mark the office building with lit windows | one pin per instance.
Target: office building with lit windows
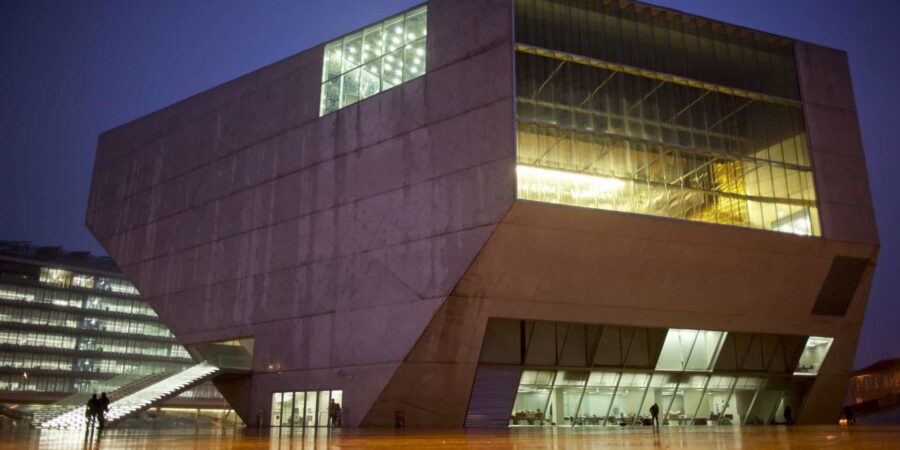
(874, 394)
(69, 322)
(511, 213)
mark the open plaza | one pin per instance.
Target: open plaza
(800, 437)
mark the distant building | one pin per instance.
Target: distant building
(510, 213)
(69, 321)
(876, 388)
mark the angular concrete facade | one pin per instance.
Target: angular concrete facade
(365, 250)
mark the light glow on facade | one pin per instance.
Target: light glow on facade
(558, 185)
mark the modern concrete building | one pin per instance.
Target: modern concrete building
(70, 326)
(511, 213)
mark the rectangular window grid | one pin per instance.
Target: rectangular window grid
(622, 109)
(624, 398)
(362, 64)
(610, 375)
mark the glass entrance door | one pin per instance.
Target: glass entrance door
(303, 409)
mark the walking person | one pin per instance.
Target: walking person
(654, 415)
(103, 408)
(788, 415)
(90, 411)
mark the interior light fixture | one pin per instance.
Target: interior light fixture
(578, 185)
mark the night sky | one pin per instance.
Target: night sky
(72, 69)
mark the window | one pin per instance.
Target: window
(29, 361)
(83, 281)
(598, 398)
(375, 59)
(37, 340)
(695, 377)
(813, 355)
(622, 398)
(622, 111)
(125, 327)
(629, 396)
(116, 285)
(307, 409)
(690, 350)
(717, 406)
(65, 278)
(56, 277)
(533, 397)
(235, 353)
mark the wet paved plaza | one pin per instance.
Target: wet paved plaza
(813, 437)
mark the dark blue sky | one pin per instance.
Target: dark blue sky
(72, 69)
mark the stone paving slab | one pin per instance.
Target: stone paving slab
(778, 437)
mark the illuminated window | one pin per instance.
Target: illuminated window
(56, 277)
(620, 111)
(83, 281)
(690, 350)
(307, 409)
(597, 403)
(813, 355)
(620, 398)
(695, 377)
(116, 285)
(375, 59)
(533, 398)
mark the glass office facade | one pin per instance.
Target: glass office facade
(304, 409)
(626, 108)
(62, 329)
(65, 278)
(623, 398)
(362, 64)
(610, 375)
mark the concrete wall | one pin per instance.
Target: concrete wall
(842, 187)
(332, 241)
(835, 144)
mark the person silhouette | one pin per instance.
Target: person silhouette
(788, 415)
(654, 415)
(103, 408)
(332, 413)
(91, 410)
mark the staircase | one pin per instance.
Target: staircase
(131, 398)
(112, 386)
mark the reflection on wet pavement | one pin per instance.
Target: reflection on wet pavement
(801, 437)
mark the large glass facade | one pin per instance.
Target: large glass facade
(623, 109)
(69, 324)
(65, 278)
(624, 398)
(304, 409)
(610, 375)
(362, 64)
(37, 295)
